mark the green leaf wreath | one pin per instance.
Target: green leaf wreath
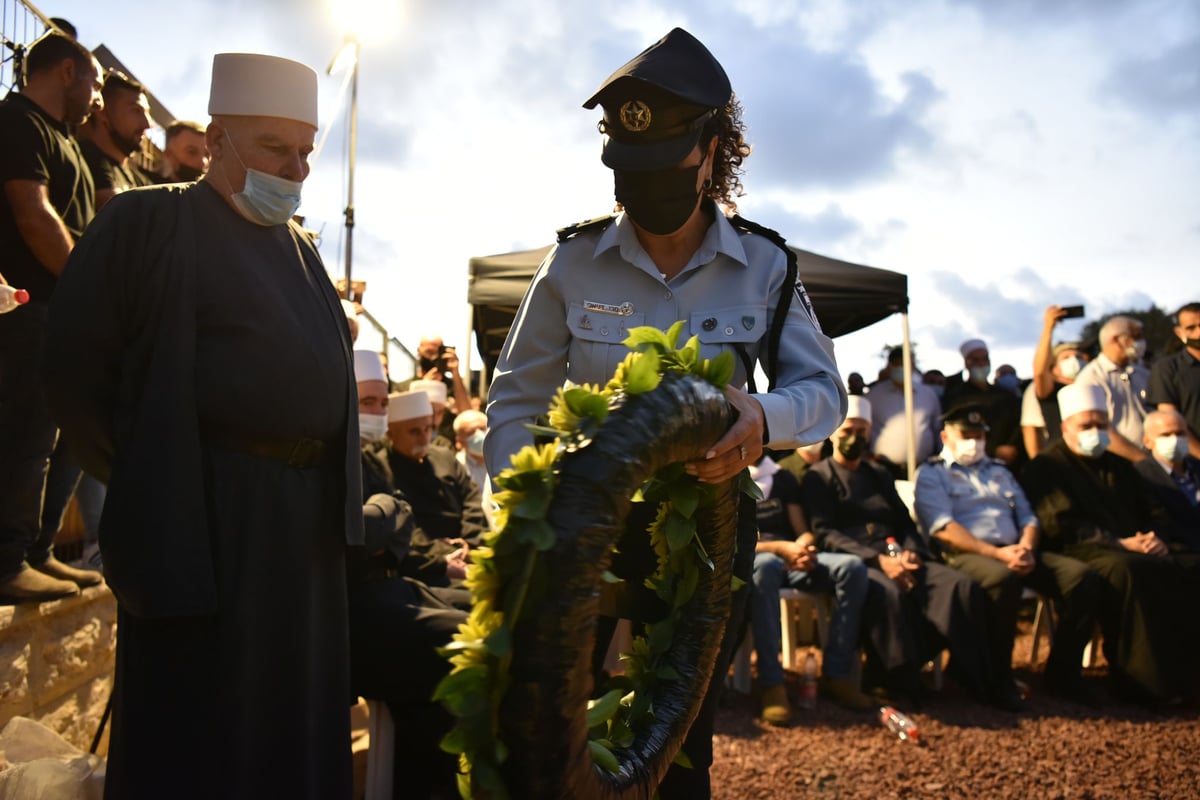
(511, 561)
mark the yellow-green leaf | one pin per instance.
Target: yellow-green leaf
(604, 757)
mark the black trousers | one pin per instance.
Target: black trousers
(1075, 588)
(1148, 616)
(945, 609)
(27, 436)
(396, 626)
(635, 560)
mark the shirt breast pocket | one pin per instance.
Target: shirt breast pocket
(730, 328)
(597, 342)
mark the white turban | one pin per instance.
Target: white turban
(971, 345)
(368, 366)
(1079, 397)
(435, 389)
(254, 85)
(858, 407)
(408, 405)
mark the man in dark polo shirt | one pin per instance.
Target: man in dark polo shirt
(45, 204)
(1175, 380)
(113, 134)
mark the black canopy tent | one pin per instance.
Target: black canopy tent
(847, 296)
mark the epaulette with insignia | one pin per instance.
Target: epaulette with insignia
(597, 224)
(749, 226)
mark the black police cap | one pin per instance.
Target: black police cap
(969, 416)
(656, 105)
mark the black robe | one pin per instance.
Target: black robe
(397, 625)
(174, 316)
(446, 501)
(1148, 613)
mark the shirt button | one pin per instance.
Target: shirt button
(729, 331)
(709, 323)
(667, 294)
(604, 331)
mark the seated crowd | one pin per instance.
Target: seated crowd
(1084, 488)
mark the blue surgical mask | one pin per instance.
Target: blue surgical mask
(979, 374)
(1009, 381)
(896, 374)
(475, 443)
(265, 199)
(1093, 442)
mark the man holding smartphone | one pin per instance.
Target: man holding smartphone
(1053, 368)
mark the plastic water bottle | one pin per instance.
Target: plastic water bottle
(10, 298)
(893, 547)
(899, 724)
(808, 685)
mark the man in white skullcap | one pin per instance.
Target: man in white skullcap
(439, 396)
(183, 314)
(1001, 407)
(853, 507)
(447, 502)
(1093, 508)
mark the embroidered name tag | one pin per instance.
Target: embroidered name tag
(623, 310)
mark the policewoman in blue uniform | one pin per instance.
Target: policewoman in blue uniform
(674, 250)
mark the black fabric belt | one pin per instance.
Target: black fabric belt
(296, 453)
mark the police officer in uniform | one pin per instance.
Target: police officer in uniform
(674, 251)
(975, 509)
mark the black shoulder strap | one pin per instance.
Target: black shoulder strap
(785, 297)
(597, 224)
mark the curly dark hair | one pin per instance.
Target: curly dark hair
(732, 150)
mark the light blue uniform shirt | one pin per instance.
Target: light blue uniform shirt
(984, 498)
(593, 288)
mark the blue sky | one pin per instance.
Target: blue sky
(1005, 154)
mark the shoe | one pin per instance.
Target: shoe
(1074, 690)
(57, 569)
(1008, 698)
(843, 692)
(775, 708)
(30, 586)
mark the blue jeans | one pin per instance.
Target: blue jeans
(65, 479)
(843, 575)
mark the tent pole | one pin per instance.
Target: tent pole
(908, 400)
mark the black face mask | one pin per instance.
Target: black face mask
(659, 201)
(186, 174)
(1193, 344)
(852, 447)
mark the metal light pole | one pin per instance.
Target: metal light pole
(353, 41)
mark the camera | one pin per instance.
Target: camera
(1071, 312)
(441, 359)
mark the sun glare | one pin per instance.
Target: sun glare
(367, 20)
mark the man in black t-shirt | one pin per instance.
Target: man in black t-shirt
(1175, 379)
(114, 133)
(47, 201)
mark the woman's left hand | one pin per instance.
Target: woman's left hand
(741, 445)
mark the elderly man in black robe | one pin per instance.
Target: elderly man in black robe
(1094, 508)
(182, 315)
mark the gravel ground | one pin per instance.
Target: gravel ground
(1051, 750)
